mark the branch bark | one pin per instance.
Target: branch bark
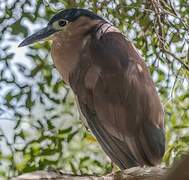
(136, 173)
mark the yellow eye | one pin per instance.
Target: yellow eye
(60, 24)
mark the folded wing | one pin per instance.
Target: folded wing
(119, 101)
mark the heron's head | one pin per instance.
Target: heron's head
(60, 22)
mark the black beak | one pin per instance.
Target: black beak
(38, 36)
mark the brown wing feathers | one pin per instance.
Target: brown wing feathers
(119, 100)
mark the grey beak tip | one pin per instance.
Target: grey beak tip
(38, 36)
(22, 44)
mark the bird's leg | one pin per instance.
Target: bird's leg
(113, 170)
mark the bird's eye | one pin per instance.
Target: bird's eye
(62, 23)
(59, 25)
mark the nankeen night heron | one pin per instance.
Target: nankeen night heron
(112, 85)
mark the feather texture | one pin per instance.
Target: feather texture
(119, 101)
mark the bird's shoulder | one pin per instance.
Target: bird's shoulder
(111, 68)
(111, 59)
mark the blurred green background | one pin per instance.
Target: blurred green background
(39, 122)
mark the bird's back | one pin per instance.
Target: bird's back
(118, 98)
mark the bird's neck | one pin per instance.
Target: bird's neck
(68, 44)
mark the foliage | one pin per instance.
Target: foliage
(47, 133)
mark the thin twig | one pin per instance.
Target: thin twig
(179, 60)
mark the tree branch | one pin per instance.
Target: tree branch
(136, 173)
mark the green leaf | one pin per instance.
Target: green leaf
(70, 136)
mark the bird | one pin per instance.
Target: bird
(115, 92)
